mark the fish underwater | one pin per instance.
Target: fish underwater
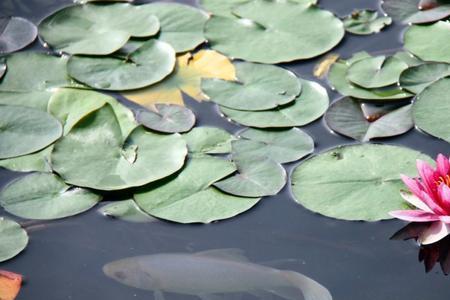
(211, 275)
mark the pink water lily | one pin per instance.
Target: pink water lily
(430, 194)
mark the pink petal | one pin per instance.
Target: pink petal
(443, 165)
(412, 184)
(436, 232)
(426, 172)
(416, 201)
(414, 215)
(445, 219)
(444, 194)
(431, 203)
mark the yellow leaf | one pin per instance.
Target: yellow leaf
(186, 78)
(322, 68)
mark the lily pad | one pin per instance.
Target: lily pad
(376, 72)
(255, 178)
(338, 80)
(25, 130)
(357, 182)
(44, 196)
(150, 63)
(257, 87)
(346, 116)
(208, 140)
(282, 146)
(14, 239)
(126, 210)
(365, 22)
(189, 197)
(431, 109)
(96, 29)
(416, 79)
(428, 41)
(167, 118)
(37, 162)
(309, 106)
(181, 25)
(16, 33)
(417, 11)
(31, 79)
(257, 33)
(94, 154)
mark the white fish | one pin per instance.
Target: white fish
(210, 274)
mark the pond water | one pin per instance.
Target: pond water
(354, 260)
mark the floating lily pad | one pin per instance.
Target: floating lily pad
(181, 25)
(309, 106)
(96, 29)
(25, 130)
(32, 77)
(428, 42)
(282, 146)
(416, 79)
(255, 178)
(150, 63)
(358, 182)
(37, 162)
(417, 11)
(189, 197)
(408, 58)
(257, 87)
(45, 196)
(365, 22)
(95, 154)
(431, 110)
(15, 33)
(347, 117)
(376, 72)
(167, 118)
(274, 32)
(338, 80)
(126, 210)
(208, 140)
(14, 239)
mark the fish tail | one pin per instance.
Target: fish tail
(301, 288)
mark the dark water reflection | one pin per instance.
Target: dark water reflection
(354, 260)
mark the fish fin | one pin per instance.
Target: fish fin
(302, 287)
(158, 295)
(228, 254)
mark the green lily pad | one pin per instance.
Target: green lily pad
(167, 118)
(428, 42)
(181, 25)
(282, 146)
(258, 33)
(417, 11)
(35, 162)
(150, 63)
(189, 197)
(94, 154)
(44, 196)
(208, 140)
(416, 79)
(14, 239)
(357, 182)
(31, 79)
(346, 116)
(16, 33)
(338, 80)
(309, 106)
(71, 105)
(96, 29)
(431, 109)
(365, 22)
(126, 210)
(408, 58)
(255, 178)
(26, 130)
(257, 87)
(376, 72)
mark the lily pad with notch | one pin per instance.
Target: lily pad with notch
(168, 118)
(16, 33)
(365, 22)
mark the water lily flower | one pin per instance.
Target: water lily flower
(430, 194)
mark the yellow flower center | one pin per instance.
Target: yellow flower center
(445, 180)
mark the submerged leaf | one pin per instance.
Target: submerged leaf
(126, 210)
(357, 182)
(186, 78)
(10, 284)
(14, 239)
(208, 140)
(167, 118)
(16, 33)
(365, 22)
(44, 196)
